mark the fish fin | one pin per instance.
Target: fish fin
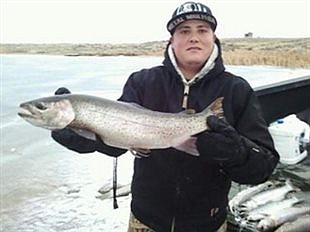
(85, 133)
(216, 107)
(188, 146)
(188, 111)
(136, 105)
(291, 186)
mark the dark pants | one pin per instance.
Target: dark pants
(136, 226)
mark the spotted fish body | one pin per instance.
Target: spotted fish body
(119, 124)
(287, 215)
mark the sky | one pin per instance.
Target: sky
(135, 21)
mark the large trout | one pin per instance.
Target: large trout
(120, 124)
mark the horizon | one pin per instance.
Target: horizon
(156, 41)
(120, 21)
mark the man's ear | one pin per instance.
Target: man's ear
(171, 41)
(214, 37)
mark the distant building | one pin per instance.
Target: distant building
(248, 35)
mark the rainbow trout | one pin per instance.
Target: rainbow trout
(286, 215)
(120, 124)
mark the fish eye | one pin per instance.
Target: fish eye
(40, 106)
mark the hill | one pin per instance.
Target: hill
(246, 51)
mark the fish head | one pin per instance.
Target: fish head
(51, 113)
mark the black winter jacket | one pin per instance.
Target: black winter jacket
(172, 185)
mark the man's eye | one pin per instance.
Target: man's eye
(203, 31)
(184, 32)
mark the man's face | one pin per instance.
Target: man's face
(192, 43)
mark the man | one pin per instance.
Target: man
(171, 190)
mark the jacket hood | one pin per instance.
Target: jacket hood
(212, 68)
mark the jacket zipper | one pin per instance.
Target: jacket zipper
(185, 96)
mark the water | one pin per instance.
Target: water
(45, 187)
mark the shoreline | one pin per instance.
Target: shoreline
(285, 52)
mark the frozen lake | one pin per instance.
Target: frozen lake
(45, 187)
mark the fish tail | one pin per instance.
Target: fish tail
(291, 186)
(216, 108)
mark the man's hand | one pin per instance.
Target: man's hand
(221, 144)
(140, 152)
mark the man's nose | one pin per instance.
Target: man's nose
(193, 37)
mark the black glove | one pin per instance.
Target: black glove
(62, 90)
(221, 144)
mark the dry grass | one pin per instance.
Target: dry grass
(286, 59)
(252, 51)
(276, 52)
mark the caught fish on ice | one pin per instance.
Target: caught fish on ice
(301, 224)
(290, 214)
(268, 196)
(246, 194)
(120, 124)
(270, 205)
(271, 208)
